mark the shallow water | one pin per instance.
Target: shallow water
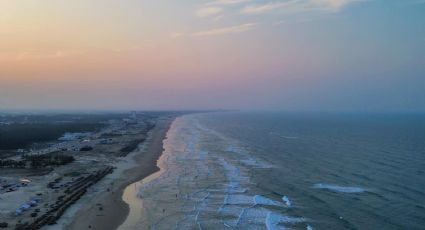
(282, 171)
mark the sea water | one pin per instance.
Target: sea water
(289, 171)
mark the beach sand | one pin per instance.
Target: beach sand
(102, 207)
(132, 199)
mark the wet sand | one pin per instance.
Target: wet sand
(131, 195)
(103, 207)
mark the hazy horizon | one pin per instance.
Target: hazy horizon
(299, 55)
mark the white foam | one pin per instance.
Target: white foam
(227, 225)
(235, 203)
(236, 190)
(309, 227)
(229, 200)
(235, 149)
(234, 177)
(275, 221)
(254, 216)
(239, 200)
(255, 163)
(337, 188)
(231, 214)
(287, 201)
(261, 200)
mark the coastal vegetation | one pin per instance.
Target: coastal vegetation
(38, 161)
(21, 131)
(131, 147)
(16, 136)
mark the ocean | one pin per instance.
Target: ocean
(240, 170)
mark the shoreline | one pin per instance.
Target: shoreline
(103, 207)
(130, 193)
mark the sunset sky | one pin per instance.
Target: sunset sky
(348, 55)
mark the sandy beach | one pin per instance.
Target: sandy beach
(131, 195)
(102, 207)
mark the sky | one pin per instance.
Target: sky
(294, 55)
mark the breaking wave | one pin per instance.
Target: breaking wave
(340, 189)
